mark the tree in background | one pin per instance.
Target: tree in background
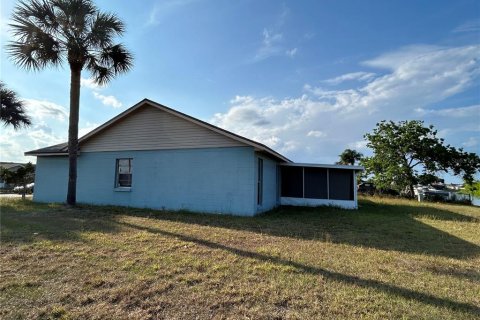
(47, 32)
(21, 177)
(472, 188)
(349, 157)
(406, 150)
(12, 109)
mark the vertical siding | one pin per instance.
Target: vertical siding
(215, 180)
(269, 184)
(149, 128)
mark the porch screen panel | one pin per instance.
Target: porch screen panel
(316, 183)
(341, 184)
(292, 182)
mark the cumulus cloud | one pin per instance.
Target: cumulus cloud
(417, 78)
(13, 143)
(43, 109)
(357, 76)
(90, 83)
(107, 100)
(89, 126)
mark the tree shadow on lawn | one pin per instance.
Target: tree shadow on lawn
(380, 226)
(332, 275)
(25, 221)
(374, 225)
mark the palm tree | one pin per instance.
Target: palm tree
(349, 157)
(12, 110)
(47, 32)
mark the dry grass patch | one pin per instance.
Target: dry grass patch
(390, 259)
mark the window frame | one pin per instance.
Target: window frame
(117, 185)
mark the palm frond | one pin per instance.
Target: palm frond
(117, 57)
(41, 11)
(103, 28)
(74, 15)
(110, 62)
(12, 111)
(100, 73)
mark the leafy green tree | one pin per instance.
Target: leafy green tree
(49, 32)
(21, 177)
(405, 150)
(349, 157)
(472, 188)
(12, 109)
(426, 179)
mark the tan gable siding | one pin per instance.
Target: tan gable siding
(149, 128)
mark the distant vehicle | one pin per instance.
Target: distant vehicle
(366, 187)
(29, 189)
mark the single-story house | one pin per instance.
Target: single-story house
(155, 157)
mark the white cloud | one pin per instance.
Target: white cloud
(468, 26)
(462, 112)
(42, 109)
(270, 45)
(163, 8)
(90, 83)
(13, 143)
(273, 40)
(87, 128)
(418, 78)
(360, 145)
(316, 134)
(357, 76)
(107, 100)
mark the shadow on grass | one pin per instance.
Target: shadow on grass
(26, 221)
(336, 276)
(374, 225)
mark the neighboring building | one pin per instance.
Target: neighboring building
(156, 157)
(443, 193)
(12, 166)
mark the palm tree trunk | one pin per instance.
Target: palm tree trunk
(75, 74)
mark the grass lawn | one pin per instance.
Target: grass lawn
(390, 259)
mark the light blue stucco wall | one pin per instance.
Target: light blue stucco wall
(216, 180)
(270, 176)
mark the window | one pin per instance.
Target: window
(124, 173)
(260, 182)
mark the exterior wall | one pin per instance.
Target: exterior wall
(51, 178)
(215, 180)
(270, 184)
(150, 128)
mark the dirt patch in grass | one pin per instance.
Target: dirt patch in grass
(390, 259)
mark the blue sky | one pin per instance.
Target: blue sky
(307, 78)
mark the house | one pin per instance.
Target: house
(155, 157)
(11, 166)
